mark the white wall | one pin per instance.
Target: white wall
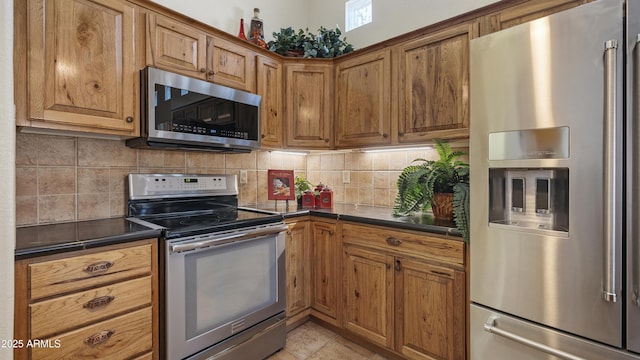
(7, 176)
(390, 17)
(226, 15)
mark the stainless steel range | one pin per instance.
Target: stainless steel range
(222, 278)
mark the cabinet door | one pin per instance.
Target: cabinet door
(368, 287)
(363, 108)
(298, 271)
(430, 310)
(269, 83)
(433, 90)
(524, 12)
(309, 105)
(81, 65)
(174, 46)
(231, 65)
(326, 272)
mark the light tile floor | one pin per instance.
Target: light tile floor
(311, 341)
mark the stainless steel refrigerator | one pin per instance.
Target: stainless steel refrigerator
(555, 209)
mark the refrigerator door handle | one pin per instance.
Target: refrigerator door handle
(635, 246)
(610, 171)
(491, 326)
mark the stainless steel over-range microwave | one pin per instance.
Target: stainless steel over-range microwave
(181, 112)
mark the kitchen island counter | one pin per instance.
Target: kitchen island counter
(374, 215)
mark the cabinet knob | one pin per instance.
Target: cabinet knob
(330, 232)
(385, 135)
(263, 136)
(393, 241)
(210, 73)
(398, 266)
(326, 140)
(203, 70)
(400, 133)
(129, 119)
(388, 266)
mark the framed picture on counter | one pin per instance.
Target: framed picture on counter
(281, 185)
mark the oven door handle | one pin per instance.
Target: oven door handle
(217, 241)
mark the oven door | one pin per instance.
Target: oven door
(221, 284)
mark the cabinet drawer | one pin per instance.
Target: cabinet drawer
(448, 251)
(62, 313)
(64, 275)
(119, 338)
(147, 356)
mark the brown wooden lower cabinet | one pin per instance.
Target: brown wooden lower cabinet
(404, 291)
(430, 310)
(326, 284)
(298, 255)
(90, 304)
(369, 295)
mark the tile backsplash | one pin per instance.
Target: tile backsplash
(61, 179)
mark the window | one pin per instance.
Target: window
(357, 13)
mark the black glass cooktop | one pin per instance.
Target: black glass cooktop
(201, 223)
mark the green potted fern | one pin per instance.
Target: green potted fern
(440, 185)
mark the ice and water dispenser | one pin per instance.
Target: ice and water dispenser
(523, 195)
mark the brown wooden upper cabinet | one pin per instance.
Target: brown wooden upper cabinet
(433, 90)
(363, 106)
(175, 46)
(269, 83)
(80, 66)
(309, 105)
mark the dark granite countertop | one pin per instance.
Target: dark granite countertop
(374, 215)
(39, 240)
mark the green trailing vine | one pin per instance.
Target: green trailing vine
(461, 209)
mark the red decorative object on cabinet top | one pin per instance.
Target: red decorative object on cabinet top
(241, 34)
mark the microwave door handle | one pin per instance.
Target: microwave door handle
(610, 172)
(217, 241)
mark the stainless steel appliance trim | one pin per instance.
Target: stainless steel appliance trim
(144, 187)
(145, 223)
(223, 240)
(530, 230)
(634, 249)
(610, 170)
(264, 338)
(543, 143)
(491, 326)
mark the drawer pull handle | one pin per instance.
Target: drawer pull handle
(99, 338)
(393, 241)
(98, 302)
(98, 267)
